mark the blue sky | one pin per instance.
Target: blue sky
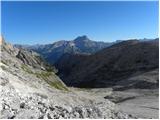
(46, 22)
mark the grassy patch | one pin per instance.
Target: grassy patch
(26, 69)
(54, 83)
(47, 76)
(44, 75)
(58, 85)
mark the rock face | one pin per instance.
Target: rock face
(28, 91)
(80, 45)
(113, 65)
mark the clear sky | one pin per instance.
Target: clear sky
(46, 22)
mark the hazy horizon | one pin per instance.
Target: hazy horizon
(47, 22)
(53, 41)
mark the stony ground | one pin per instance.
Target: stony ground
(145, 104)
(20, 99)
(140, 103)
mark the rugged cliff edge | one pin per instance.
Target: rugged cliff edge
(29, 88)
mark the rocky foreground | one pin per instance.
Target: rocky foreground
(30, 89)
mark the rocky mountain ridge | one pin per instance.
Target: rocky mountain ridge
(52, 53)
(80, 45)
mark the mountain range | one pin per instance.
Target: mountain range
(80, 45)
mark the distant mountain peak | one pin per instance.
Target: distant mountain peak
(81, 38)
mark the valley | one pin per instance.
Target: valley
(119, 81)
(79, 59)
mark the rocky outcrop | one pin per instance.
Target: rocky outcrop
(28, 59)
